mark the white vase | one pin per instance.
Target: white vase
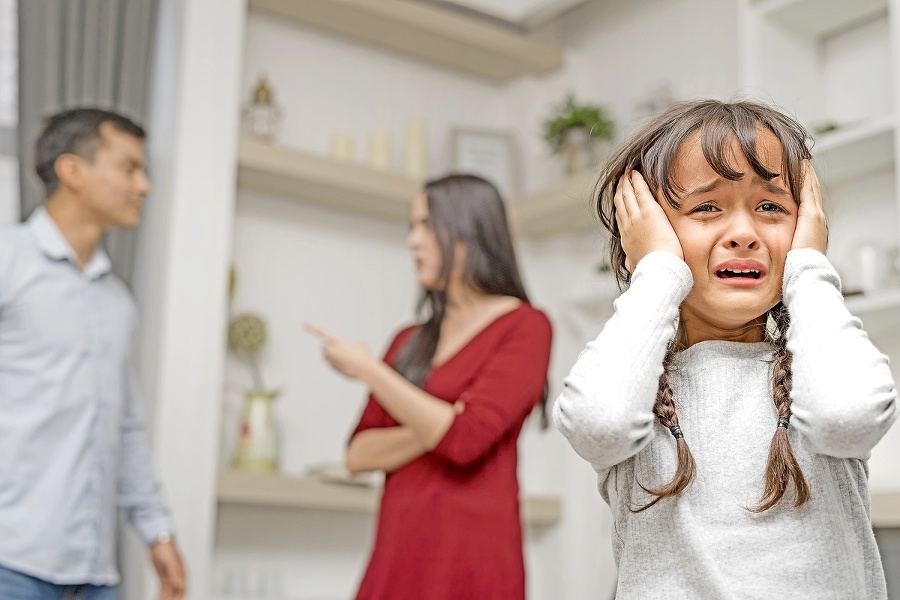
(257, 442)
(579, 151)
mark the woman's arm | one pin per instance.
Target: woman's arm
(500, 397)
(605, 409)
(383, 449)
(427, 416)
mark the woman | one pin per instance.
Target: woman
(447, 405)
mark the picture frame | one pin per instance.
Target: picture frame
(487, 153)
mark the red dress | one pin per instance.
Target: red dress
(449, 525)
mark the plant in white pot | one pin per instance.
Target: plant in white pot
(576, 132)
(257, 442)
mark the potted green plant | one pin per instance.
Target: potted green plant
(575, 131)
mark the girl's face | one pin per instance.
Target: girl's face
(735, 236)
(426, 249)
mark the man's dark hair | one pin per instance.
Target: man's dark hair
(75, 131)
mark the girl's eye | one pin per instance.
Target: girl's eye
(772, 207)
(704, 208)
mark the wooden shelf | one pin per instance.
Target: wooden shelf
(313, 493)
(886, 509)
(855, 150)
(320, 180)
(565, 207)
(426, 32)
(308, 177)
(817, 18)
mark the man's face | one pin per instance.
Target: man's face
(115, 182)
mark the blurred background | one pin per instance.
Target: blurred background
(286, 140)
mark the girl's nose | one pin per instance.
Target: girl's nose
(742, 233)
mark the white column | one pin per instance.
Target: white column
(184, 252)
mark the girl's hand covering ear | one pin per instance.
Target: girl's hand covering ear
(643, 225)
(812, 229)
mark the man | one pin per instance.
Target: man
(73, 443)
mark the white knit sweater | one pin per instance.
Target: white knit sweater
(705, 544)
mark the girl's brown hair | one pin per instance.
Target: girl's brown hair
(652, 152)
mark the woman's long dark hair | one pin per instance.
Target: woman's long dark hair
(468, 209)
(652, 152)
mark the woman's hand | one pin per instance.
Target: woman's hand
(643, 225)
(812, 228)
(350, 358)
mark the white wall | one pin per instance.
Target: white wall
(296, 262)
(182, 265)
(327, 85)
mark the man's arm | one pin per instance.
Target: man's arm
(139, 494)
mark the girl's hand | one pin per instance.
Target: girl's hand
(350, 358)
(643, 225)
(812, 229)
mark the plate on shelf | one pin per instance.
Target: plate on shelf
(338, 473)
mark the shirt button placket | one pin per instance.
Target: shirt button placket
(95, 504)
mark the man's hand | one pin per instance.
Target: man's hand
(170, 569)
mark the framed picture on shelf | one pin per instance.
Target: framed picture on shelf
(489, 154)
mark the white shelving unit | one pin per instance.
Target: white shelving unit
(856, 150)
(825, 61)
(795, 52)
(431, 33)
(313, 493)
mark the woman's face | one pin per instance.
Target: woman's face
(423, 243)
(735, 236)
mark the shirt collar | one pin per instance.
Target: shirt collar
(53, 244)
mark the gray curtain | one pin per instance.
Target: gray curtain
(82, 53)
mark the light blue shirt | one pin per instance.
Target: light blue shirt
(73, 441)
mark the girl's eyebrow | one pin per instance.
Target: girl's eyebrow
(705, 188)
(772, 188)
(766, 184)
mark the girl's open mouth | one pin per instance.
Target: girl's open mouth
(738, 274)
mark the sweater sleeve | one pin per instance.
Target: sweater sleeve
(843, 398)
(502, 395)
(605, 409)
